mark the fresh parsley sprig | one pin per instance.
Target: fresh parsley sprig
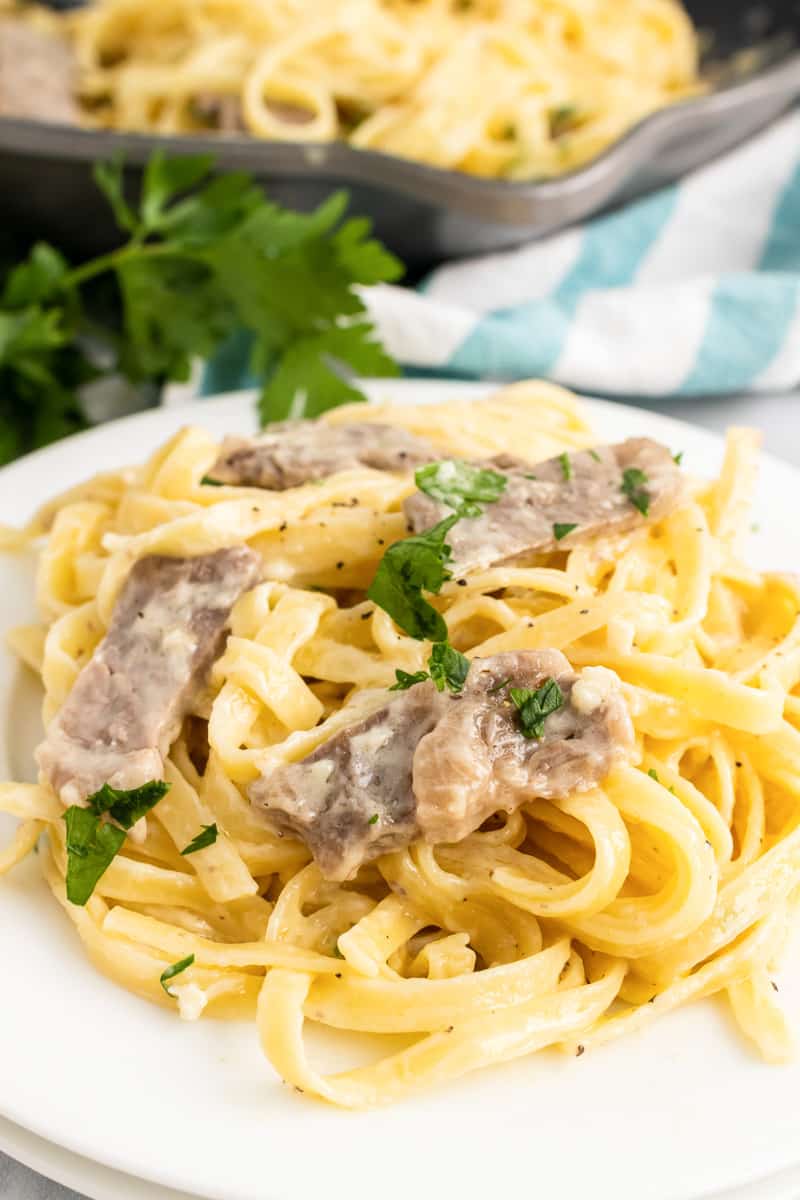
(419, 563)
(93, 843)
(204, 256)
(408, 568)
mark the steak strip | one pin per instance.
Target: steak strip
(297, 452)
(128, 703)
(435, 765)
(540, 502)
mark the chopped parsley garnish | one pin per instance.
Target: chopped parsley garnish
(93, 844)
(207, 836)
(176, 969)
(595, 456)
(678, 458)
(535, 706)
(207, 481)
(461, 485)
(633, 481)
(532, 476)
(498, 687)
(449, 668)
(405, 680)
(561, 531)
(653, 773)
(408, 567)
(374, 819)
(566, 466)
(336, 951)
(420, 563)
(127, 807)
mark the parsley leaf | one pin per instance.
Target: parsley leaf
(207, 836)
(310, 379)
(535, 706)
(633, 481)
(405, 680)
(176, 969)
(566, 466)
(207, 481)
(653, 773)
(449, 668)
(408, 567)
(678, 458)
(92, 845)
(460, 485)
(595, 456)
(127, 807)
(374, 819)
(561, 531)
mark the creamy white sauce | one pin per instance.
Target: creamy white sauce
(592, 690)
(372, 740)
(191, 1000)
(316, 780)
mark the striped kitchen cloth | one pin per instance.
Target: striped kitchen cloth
(693, 290)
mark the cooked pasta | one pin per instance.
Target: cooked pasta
(564, 923)
(515, 88)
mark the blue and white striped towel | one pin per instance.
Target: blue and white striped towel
(693, 290)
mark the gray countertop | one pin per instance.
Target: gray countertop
(778, 416)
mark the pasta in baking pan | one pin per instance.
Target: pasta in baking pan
(632, 844)
(514, 88)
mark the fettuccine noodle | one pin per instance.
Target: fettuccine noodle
(515, 88)
(565, 923)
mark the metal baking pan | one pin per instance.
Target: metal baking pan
(423, 213)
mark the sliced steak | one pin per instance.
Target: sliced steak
(584, 490)
(37, 75)
(435, 765)
(296, 452)
(127, 705)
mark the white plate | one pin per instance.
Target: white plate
(72, 1170)
(679, 1112)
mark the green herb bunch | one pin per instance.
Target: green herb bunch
(204, 256)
